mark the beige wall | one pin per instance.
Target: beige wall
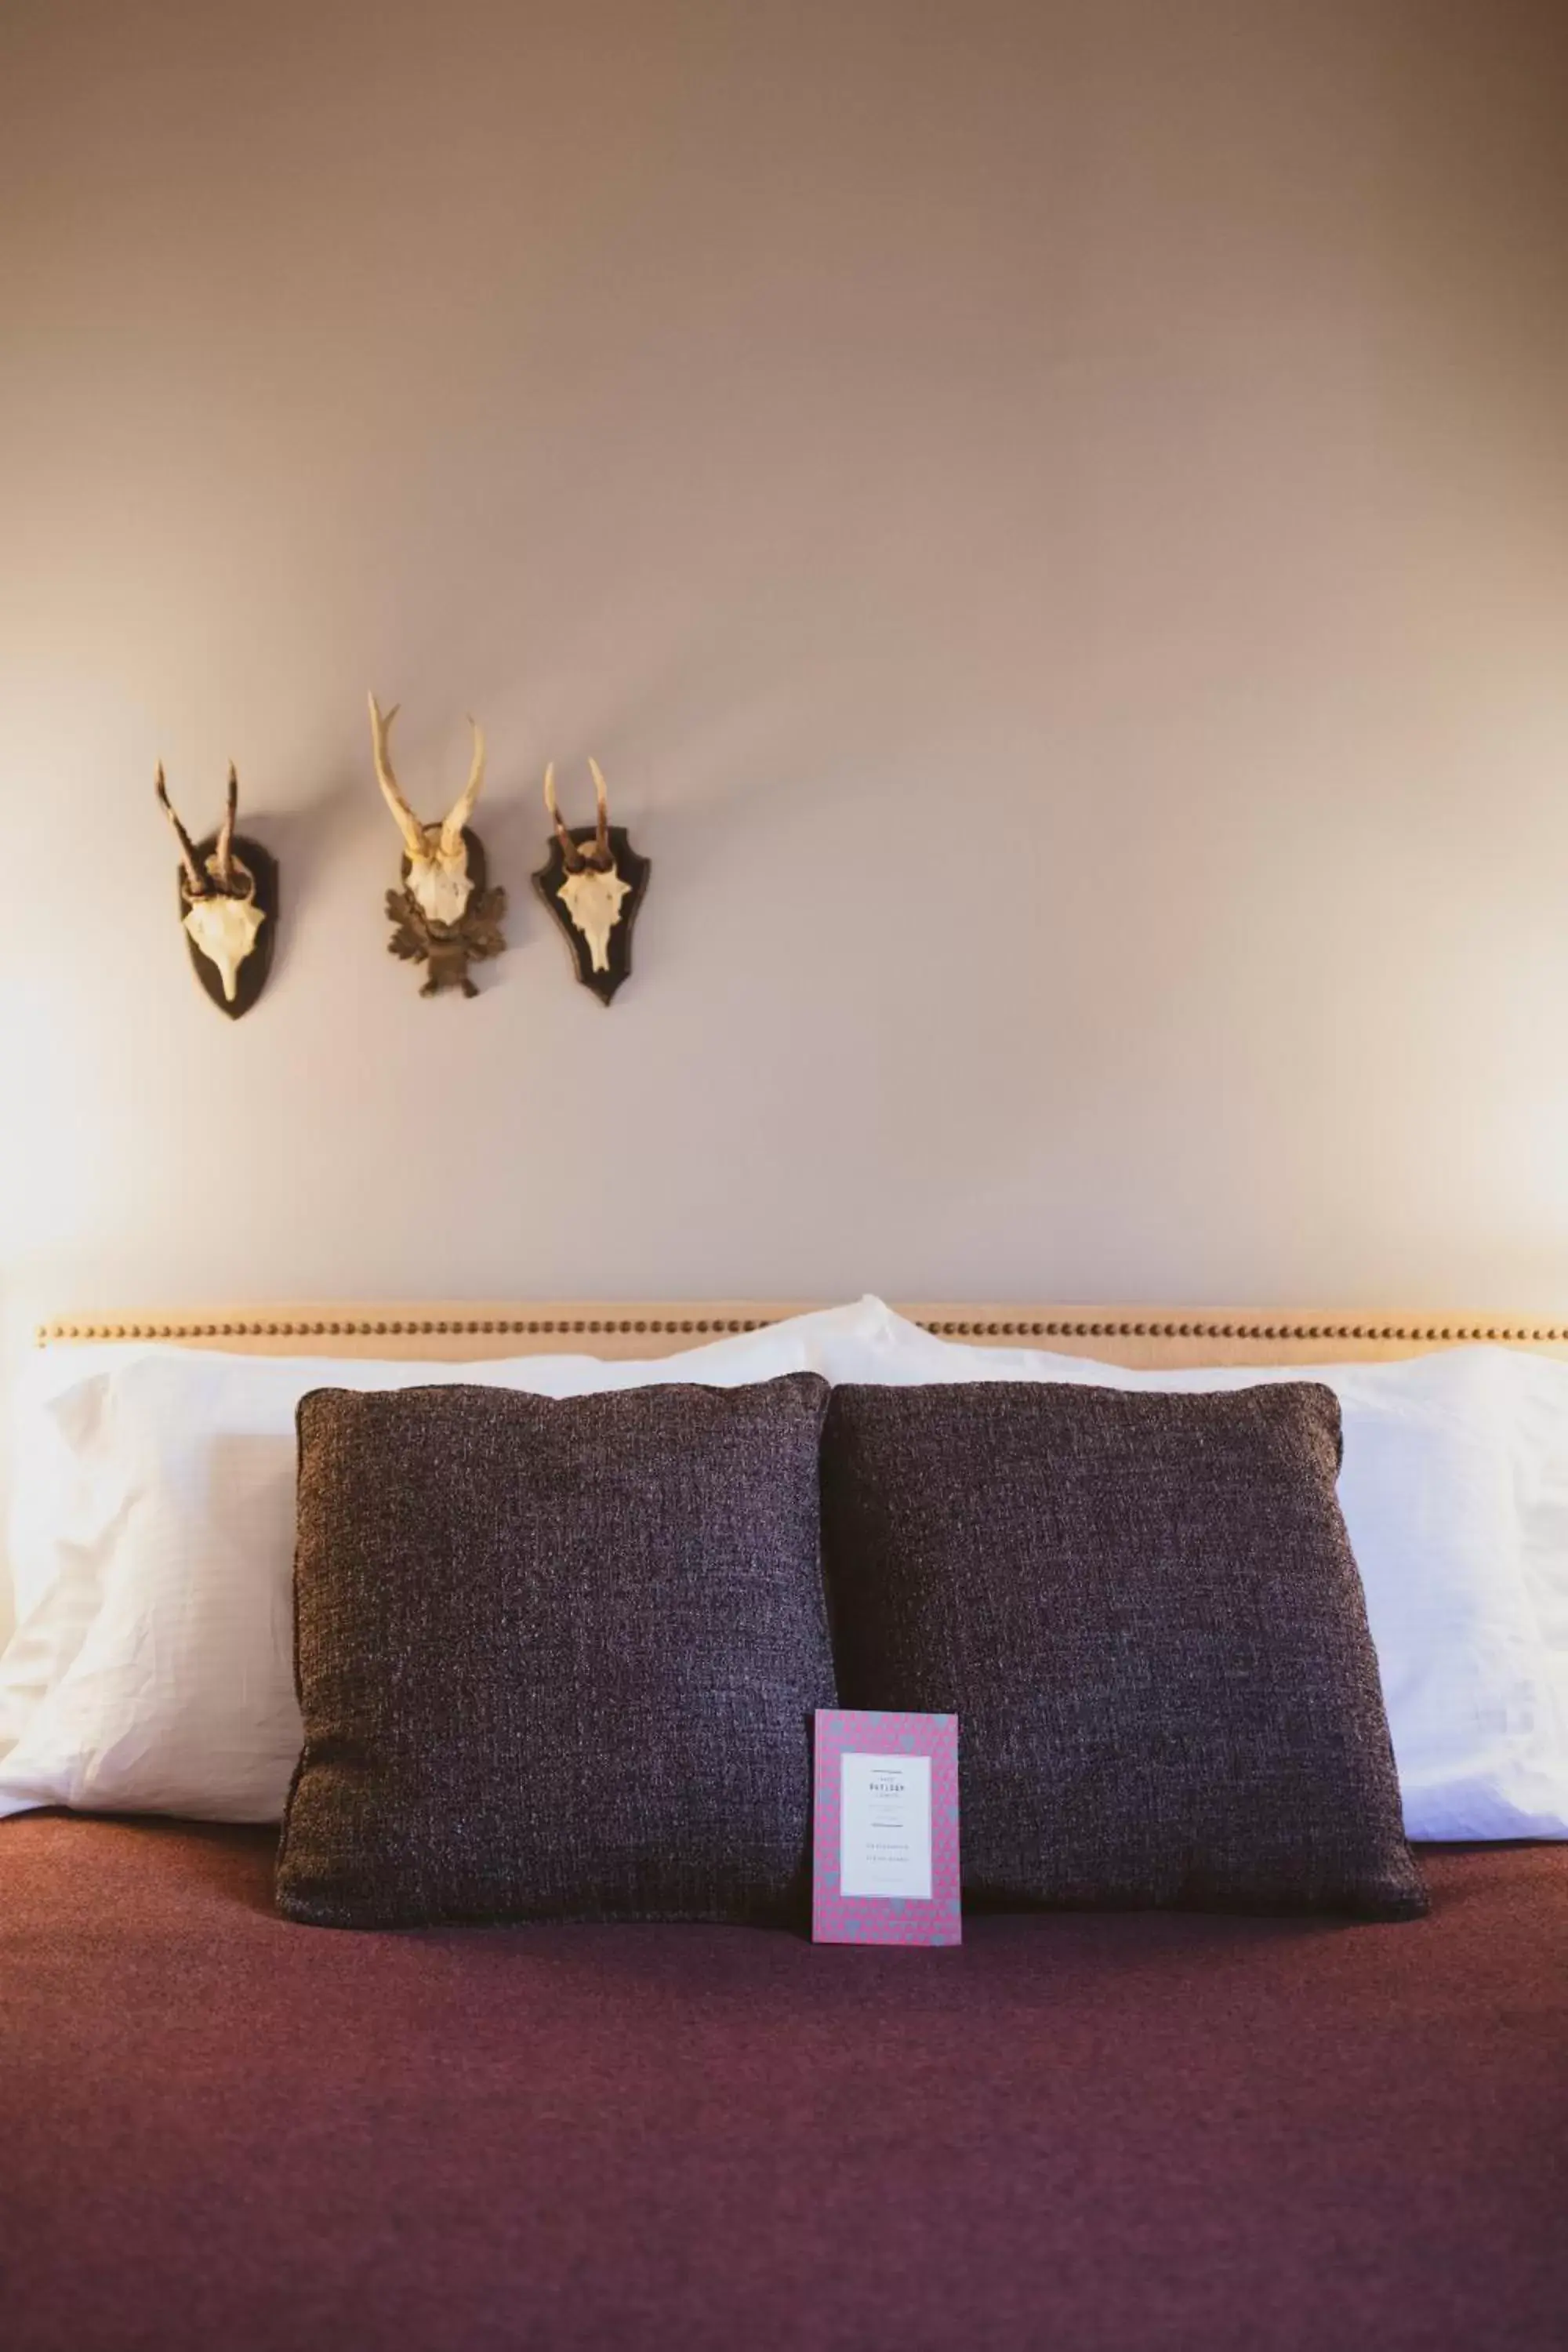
(1053, 517)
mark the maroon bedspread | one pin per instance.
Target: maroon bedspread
(223, 2132)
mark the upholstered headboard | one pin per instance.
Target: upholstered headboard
(1122, 1335)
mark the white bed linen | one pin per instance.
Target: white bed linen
(153, 1532)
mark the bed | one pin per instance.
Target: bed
(219, 2129)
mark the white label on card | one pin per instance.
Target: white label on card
(885, 1826)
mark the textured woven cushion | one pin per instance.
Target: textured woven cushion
(1144, 1611)
(556, 1658)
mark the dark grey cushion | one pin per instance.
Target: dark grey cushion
(1144, 1611)
(557, 1659)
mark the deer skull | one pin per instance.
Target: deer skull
(438, 878)
(221, 913)
(592, 891)
(225, 929)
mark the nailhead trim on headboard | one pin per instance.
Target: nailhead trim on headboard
(709, 1326)
(402, 1328)
(531, 1329)
(1243, 1331)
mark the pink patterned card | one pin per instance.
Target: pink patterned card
(886, 1861)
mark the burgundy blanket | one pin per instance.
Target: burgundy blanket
(218, 2131)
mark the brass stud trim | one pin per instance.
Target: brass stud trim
(1450, 1333)
(49, 1334)
(530, 1328)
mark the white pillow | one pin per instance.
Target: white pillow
(1455, 1492)
(153, 1547)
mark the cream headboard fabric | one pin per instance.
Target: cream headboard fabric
(1122, 1335)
